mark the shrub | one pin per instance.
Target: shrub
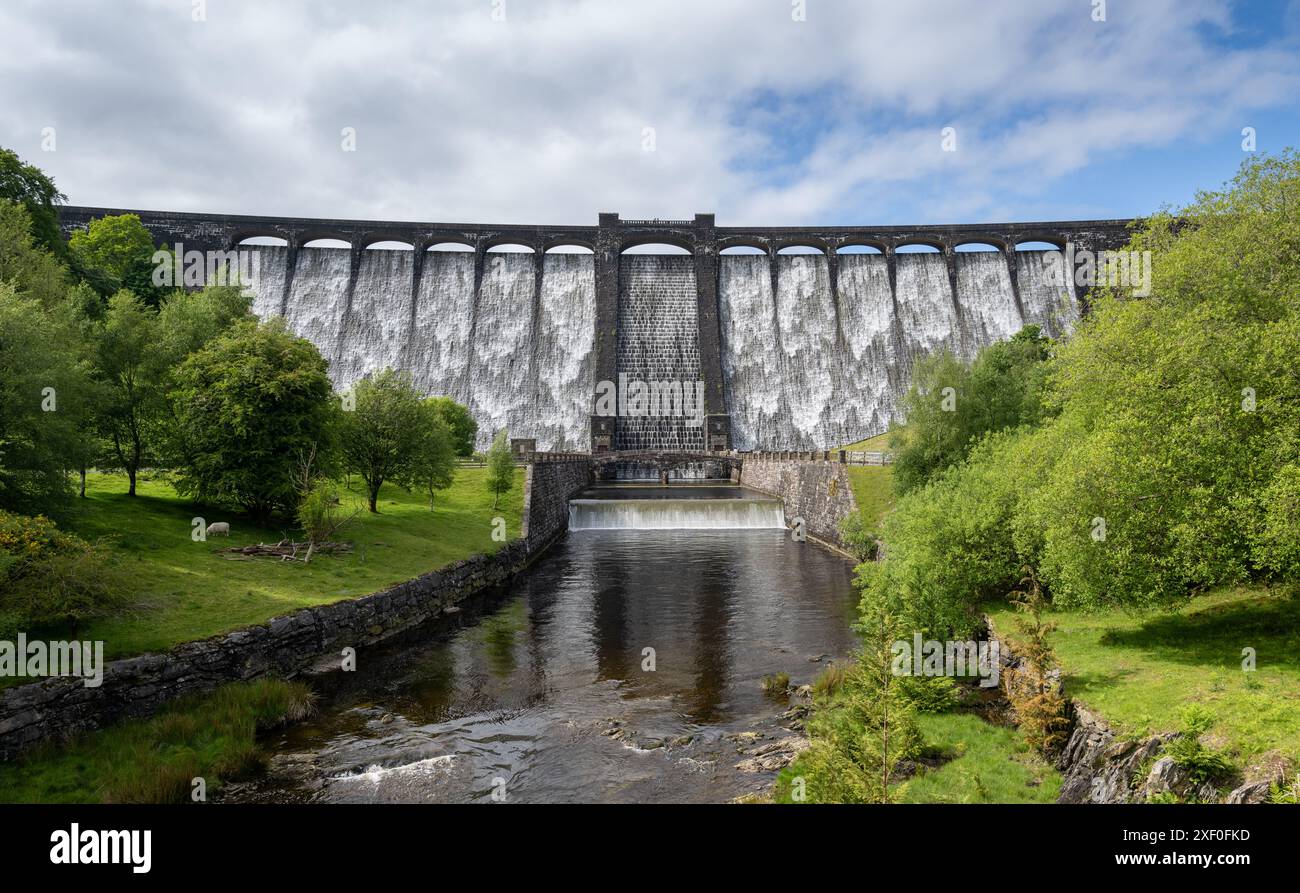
(49, 576)
(1200, 762)
(930, 694)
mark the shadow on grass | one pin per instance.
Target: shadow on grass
(1216, 634)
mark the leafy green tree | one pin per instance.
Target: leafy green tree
(127, 365)
(435, 467)
(43, 402)
(500, 467)
(949, 405)
(462, 425)
(32, 269)
(383, 436)
(115, 244)
(255, 399)
(28, 186)
(865, 728)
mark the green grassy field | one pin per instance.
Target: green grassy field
(1139, 670)
(987, 764)
(185, 590)
(154, 760)
(873, 488)
(878, 443)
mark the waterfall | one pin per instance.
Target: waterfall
(1052, 307)
(519, 360)
(565, 361)
(377, 326)
(270, 263)
(502, 380)
(675, 514)
(658, 341)
(318, 299)
(438, 350)
(804, 367)
(987, 301)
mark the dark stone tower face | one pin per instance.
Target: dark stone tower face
(798, 353)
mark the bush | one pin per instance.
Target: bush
(1201, 763)
(930, 694)
(48, 576)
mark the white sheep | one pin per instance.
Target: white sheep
(219, 528)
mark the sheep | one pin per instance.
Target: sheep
(219, 528)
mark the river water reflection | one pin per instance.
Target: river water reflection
(543, 697)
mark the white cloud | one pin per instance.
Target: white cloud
(540, 118)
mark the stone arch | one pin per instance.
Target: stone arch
(979, 244)
(919, 245)
(450, 245)
(871, 246)
(801, 246)
(261, 240)
(574, 246)
(1040, 242)
(651, 240)
(755, 242)
(510, 248)
(332, 242)
(386, 237)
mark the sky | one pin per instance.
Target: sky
(764, 112)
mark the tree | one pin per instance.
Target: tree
(43, 388)
(500, 467)
(383, 435)
(950, 405)
(254, 400)
(435, 467)
(33, 270)
(128, 366)
(462, 425)
(114, 244)
(28, 186)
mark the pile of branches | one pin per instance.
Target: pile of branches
(287, 550)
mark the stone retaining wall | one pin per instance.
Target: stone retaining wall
(548, 487)
(817, 490)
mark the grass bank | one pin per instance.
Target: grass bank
(185, 590)
(1138, 671)
(155, 760)
(976, 762)
(879, 443)
(873, 488)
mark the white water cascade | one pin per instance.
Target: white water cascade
(675, 514)
(519, 360)
(809, 367)
(804, 366)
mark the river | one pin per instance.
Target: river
(624, 666)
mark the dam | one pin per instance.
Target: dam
(793, 351)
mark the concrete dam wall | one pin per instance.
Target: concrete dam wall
(792, 351)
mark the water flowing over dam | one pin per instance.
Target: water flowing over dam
(675, 508)
(790, 351)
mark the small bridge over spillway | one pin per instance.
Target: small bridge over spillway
(665, 465)
(662, 463)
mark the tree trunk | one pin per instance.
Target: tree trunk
(374, 495)
(130, 474)
(82, 494)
